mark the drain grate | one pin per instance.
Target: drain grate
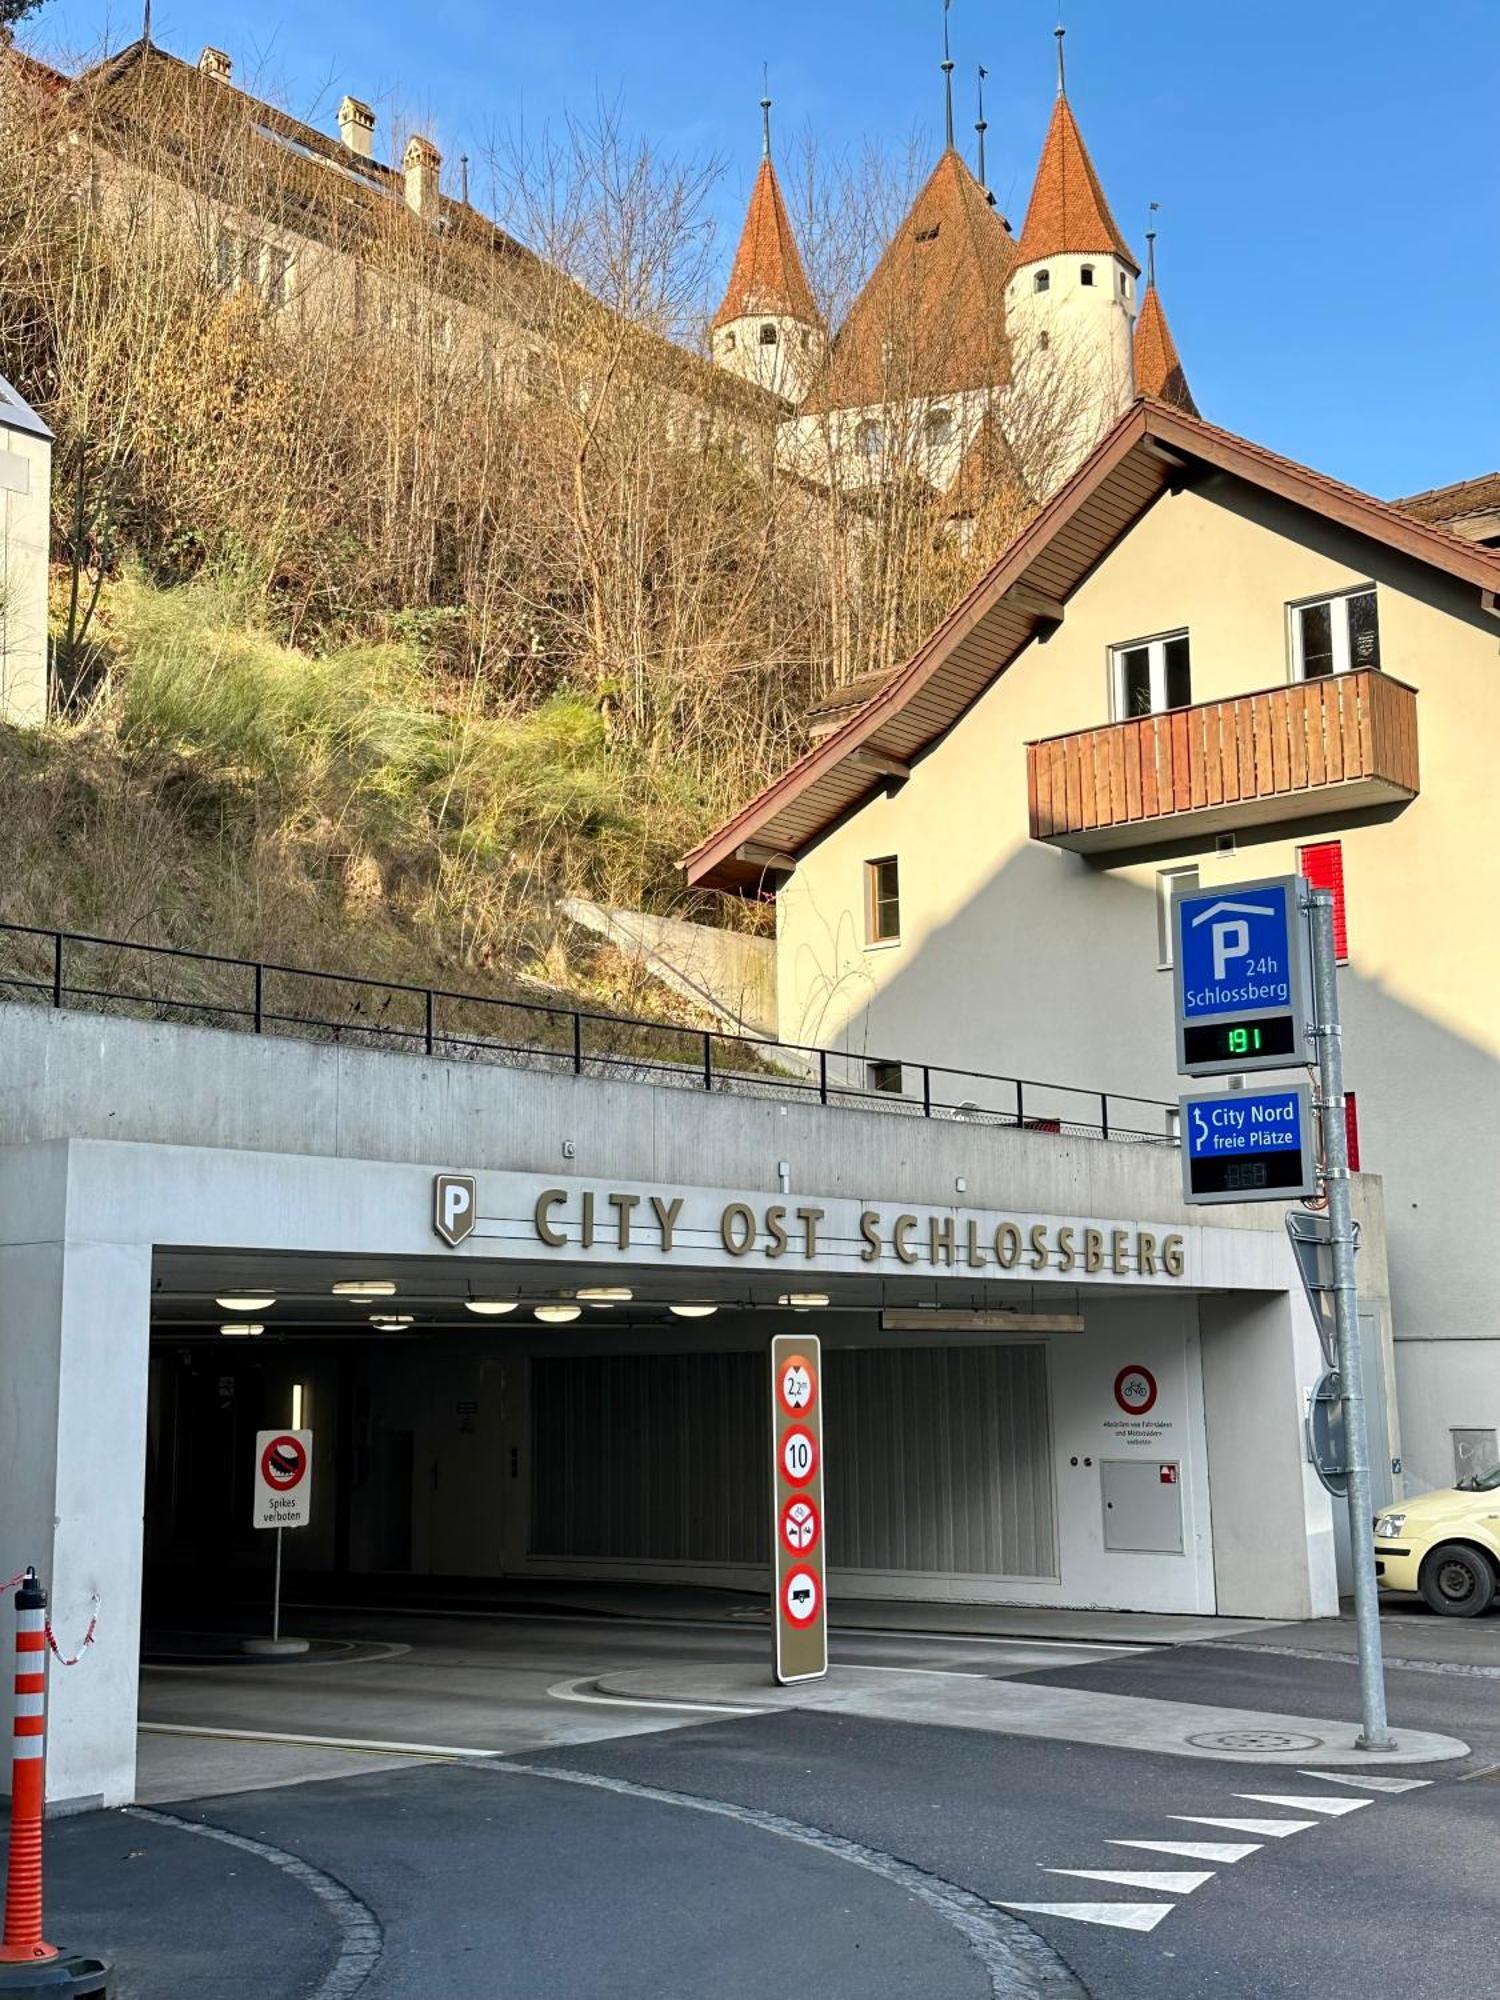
(1254, 1739)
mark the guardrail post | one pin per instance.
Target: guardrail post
(1103, 1116)
(577, 1044)
(427, 1023)
(260, 999)
(708, 1060)
(822, 1076)
(926, 1091)
(57, 969)
(1020, 1103)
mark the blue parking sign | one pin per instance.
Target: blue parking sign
(1241, 977)
(1248, 1145)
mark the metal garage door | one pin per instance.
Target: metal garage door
(939, 1459)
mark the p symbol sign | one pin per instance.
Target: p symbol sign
(453, 1206)
(1231, 940)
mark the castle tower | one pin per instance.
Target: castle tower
(1158, 370)
(1071, 301)
(768, 329)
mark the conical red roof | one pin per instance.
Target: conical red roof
(768, 276)
(1158, 371)
(931, 318)
(1068, 211)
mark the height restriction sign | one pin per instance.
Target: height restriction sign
(800, 1615)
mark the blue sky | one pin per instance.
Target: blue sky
(1330, 228)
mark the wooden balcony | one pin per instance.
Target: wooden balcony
(1327, 746)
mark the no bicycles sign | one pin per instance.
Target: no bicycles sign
(283, 1479)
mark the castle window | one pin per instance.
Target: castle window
(1124, 285)
(937, 428)
(1044, 341)
(768, 335)
(869, 439)
(929, 235)
(1042, 282)
(1086, 275)
(806, 339)
(728, 342)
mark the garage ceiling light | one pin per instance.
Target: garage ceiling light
(690, 1311)
(556, 1315)
(242, 1329)
(365, 1288)
(390, 1320)
(605, 1295)
(491, 1308)
(800, 1301)
(246, 1302)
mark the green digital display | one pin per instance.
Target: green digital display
(1273, 1035)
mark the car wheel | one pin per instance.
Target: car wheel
(1457, 1581)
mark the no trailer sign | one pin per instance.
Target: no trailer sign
(283, 1479)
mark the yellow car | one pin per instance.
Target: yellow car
(1444, 1544)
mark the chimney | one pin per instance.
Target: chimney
(421, 164)
(357, 127)
(215, 63)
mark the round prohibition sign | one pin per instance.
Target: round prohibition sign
(797, 1385)
(1135, 1390)
(799, 1455)
(800, 1526)
(283, 1464)
(801, 1597)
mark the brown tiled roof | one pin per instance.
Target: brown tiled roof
(931, 319)
(1124, 476)
(1158, 370)
(768, 276)
(1447, 504)
(1068, 211)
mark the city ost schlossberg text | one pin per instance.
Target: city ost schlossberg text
(622, 1221)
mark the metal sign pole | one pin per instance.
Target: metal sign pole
(276, 1592)
(1375, 1734)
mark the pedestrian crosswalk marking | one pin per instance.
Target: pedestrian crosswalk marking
(1304, 1802)
(1159, 1881)
(1370, 1784)
(1276, 1829)
(1196, 1850)
(1121, 1916)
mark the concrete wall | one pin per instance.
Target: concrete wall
(1024, 958)
(730, 974)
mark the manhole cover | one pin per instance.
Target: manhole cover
(1254, 1739)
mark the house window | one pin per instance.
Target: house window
(1086, 275)
(1332, 634)
(1170, 882)
(1351, 1129)
(1151, 676)
(1042, 282)
(882, 901)
(768, 335)
(1321, 863)
(227, 259)
(886, 1076)
(278, 266)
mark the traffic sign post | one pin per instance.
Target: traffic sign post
(1248, 1145)
(799, 1616)
(283, 1499)
(1241, 978)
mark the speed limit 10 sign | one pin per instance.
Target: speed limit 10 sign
(799, 1615)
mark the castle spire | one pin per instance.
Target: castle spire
(765, 113)
(947, 76)
(1068, 211)
(981, 126)
(1062, 75)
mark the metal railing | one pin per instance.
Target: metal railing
(64, 969)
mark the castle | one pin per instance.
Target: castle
(964, 335)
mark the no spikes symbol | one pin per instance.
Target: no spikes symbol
(283, 1462)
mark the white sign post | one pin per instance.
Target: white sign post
(283, 1499)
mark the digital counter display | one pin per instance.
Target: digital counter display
(1223, 1041)
(1258, 1175)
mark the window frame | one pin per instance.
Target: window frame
(1041, 281)
(1338, 632)
(1167, 880)
(1086, 274)
(874, 941)
(1155, 648)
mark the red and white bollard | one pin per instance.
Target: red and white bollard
(28, 1964)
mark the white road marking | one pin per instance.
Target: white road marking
(1370, 1784)
(569, 1691)
(1195, 1850)
(1159, 1881)
(1275, 1829)
(1305, 1802)
(315, 1742)
(1122, 1916)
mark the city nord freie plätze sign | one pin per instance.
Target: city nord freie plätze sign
(1249, 1145)
(799, 1614)
(1241, 972)
(505, 1214)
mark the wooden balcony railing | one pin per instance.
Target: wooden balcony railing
(1315, 747)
